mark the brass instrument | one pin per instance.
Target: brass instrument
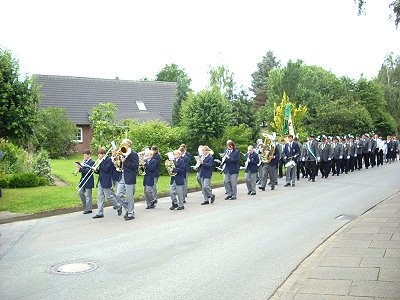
(169, 164)
(123, 150)
(268, 151)
(142, 163)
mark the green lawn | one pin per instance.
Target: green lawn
(47, 198)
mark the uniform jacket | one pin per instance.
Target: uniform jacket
(314, 147)
(359, 146)
(131, 165)
(151, 166)
(351, 149)
(188, 158)
(232, 164)
(254, 160)
(367, 146)
(206, 168)
(325, 152)
(105, 173)
(291, 151)
(90, 180)
(180, 170)
(157, 158)
(337, 151)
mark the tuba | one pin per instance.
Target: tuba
(268, 149)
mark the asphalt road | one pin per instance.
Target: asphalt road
(242, 249)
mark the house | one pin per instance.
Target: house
(142, 100)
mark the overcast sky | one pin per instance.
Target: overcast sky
(135, 39)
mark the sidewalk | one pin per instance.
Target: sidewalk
(359, 262)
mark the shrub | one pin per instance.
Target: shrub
(15, 159)
(25, 180)
(41, 167)
(3, 183)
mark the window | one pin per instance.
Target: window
(79, 135)
(141, 105)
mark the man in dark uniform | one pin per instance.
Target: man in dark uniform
(311, 157)
(326, 156)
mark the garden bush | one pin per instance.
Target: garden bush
(3, 182)
(41, 167)
(15, 159)
(24, 180)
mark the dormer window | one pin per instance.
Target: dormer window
(141, 105)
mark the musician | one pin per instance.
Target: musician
(311, 157)
(281, 148)
(86, 183)
(116, 170)
(270, 169)
(258, 149)
(345, 161)
(326, 154)
(231, 171)
(251, 162)
(205, 174)
(290, 153)
(381, 146)
(337, 156)
(299, 162)
(148, 179)
(177, 184)
(187, 157)
(104, 184)
(157, 158)
(127, 183)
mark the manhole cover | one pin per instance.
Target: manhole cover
(76, 267)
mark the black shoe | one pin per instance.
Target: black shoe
(232, 198)
(87, 212)
(309, 179)
(293, 185)
(114, 207)
(155, 202)
(212, 198)
(129, 218)
(150, 207)
(252, 193)
(180, 208)
(313, 180)
(98, 217)
(248, 193)
(119, 210)
(184, 201)
(228, 197)
(261, 188)
(287, 184)
(272, 188)
(204, 203)
(173, 207)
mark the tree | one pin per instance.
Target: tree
(242, 112)
(222, 78)
(205, 115)
(18, 100)
(54, 132)
(259, 84)
(105, 128)
(172, 73)
(395, 6)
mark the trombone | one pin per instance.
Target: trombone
(97, 163)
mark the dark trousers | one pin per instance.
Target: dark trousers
(311, 167)
(280, 168)
(301, 168)
(373, 156)
(336, 166)
(366, 159)
(351, 163)
(324, 167)
(380, 158)
(344, 167)
(359, 162)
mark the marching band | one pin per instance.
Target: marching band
(325, 155)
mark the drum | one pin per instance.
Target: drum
(290, 164)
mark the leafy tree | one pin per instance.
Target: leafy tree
(205, 115)
(222, 78)
(242, 112)
(18, 100)
(105, 128)
(342, 117)
(395, 6)
(259, 84)
(172, 73)
(54, 132)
